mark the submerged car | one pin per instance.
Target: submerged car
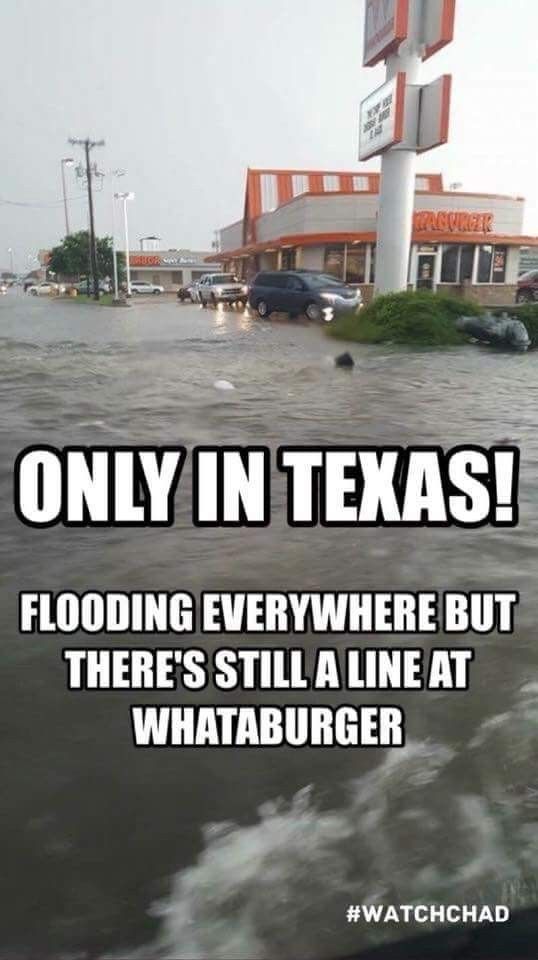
(317, 295)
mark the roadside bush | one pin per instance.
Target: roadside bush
(414, 318)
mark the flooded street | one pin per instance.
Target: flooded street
(252, 854)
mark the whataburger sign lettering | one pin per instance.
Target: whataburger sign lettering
(445, 221)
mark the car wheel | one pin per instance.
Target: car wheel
(34, 293)
(213, 300)
(263, 309)
(203, 302)
(156, 293)
(524, 296)
(313, 311)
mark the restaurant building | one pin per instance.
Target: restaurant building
(170, 269)
(462, 243)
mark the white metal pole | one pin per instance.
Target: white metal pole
(398, 166)
(66, 213)
(114, 254)
(127, 263)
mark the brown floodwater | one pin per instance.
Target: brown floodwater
(108, 851)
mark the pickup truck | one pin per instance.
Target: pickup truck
(222, 288)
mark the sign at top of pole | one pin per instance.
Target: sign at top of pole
(385, 28)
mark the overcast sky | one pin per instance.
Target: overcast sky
(188, 93)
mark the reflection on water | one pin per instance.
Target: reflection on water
(241, 857)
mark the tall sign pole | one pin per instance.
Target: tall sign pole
(402, 118)
(398, 173)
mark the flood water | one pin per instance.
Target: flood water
(218, 854)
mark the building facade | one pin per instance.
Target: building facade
(463, 243)
(170, 269)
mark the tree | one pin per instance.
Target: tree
(72, 257)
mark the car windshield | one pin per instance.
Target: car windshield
(224, 278)
(321, 280)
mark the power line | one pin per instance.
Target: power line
(42, 204)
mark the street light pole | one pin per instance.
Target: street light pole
(125, 197)
(115, 173)
(66, 162)
(10, 251)
(88, 146)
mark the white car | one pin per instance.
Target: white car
(3, 287)
(222, 288)
(143, 286)
(45, 289)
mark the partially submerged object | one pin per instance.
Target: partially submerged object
(345, 360)
(223, 385)
(504, 331)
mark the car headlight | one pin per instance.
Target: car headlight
(218, 291)
(244, 288)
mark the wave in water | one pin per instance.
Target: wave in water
(280, 886)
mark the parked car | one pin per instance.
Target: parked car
(190, 292)
(45, 288)
(85, 285)
(140, 287)
(222, 288)
(302, 291)
(527, 287)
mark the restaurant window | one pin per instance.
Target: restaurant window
(466, 262)
(331, 182)
(156, 278)
(197, 274)
(485, 259)
(134, 275)
(356, 264)
(450, 262)
(269, 192)
(289, 258)
(300, 183)
(372, 264)
(334, 261)
(498, 274)
(361, 183)
(177, 277)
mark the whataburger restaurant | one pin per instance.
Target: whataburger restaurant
(462, 243)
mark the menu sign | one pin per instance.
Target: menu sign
(382, 118)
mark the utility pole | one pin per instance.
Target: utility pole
(88, 147)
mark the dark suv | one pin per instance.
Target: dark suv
(527, 287)
(317, 295)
